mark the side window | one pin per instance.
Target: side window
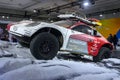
(83, 28)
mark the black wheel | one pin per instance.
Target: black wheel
(104, 53)
(44, 46)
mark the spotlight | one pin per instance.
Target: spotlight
(114, 13)
(101, 15)
(7, 17)
(3, 16)
(30, 19)
(34, 10)
(86, 3)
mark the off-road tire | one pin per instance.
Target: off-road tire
(104, 53)
(44, 46)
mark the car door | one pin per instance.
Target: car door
(81, 39)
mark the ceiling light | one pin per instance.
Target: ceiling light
(114, 13)
(3, 16)
(30, 19)
(34, 10)
(7, 17)
(101, 15)
(86, 3)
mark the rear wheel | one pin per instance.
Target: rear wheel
(44, 46)
(104, 53)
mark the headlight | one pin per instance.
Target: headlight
(15, 28)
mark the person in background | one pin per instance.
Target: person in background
(4, 37)
(1, 32)
(110, 38)
(10, 36)
(115, 40)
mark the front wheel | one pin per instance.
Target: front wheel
(104, 53)
(44, 46)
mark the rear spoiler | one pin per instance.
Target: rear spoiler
(89, 22)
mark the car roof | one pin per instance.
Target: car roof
(65, 23)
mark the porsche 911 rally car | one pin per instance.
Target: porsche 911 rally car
(75, 34)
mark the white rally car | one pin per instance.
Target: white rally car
(75, 35)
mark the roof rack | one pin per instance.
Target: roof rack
(73, 16)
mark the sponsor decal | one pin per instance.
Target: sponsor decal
(82, 37)
(77, 45)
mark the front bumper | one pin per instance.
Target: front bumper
(21, 38)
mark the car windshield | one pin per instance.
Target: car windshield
(65, 23)
(83, 28)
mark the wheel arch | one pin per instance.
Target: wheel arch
(53, 31)
(107, 45)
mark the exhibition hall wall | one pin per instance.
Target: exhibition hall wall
(110, 26)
